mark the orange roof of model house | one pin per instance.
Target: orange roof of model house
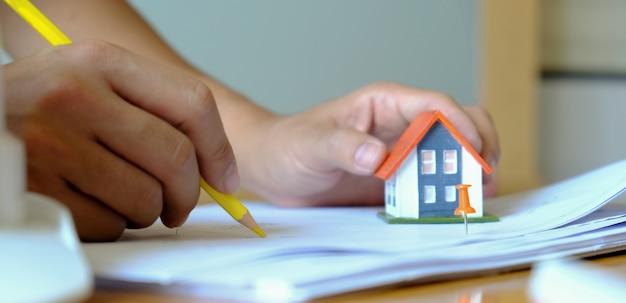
(414, 134)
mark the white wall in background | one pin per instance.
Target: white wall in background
(583, 105)
(291, 55)
(583, 125)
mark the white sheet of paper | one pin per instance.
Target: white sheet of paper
(314, 252)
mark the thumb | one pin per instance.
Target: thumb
(354, 151)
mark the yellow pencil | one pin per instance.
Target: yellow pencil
(55, 36)
(233, 207)
(39, 21)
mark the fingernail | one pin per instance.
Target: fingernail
(231, 180)
(366, 156)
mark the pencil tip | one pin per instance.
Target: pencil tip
(259, 231)
(248, 221)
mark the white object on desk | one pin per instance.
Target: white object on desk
(41, 259)
(575, 282)
(11, 177)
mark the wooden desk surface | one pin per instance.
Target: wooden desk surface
(508, 287)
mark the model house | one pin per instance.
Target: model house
(427, 163)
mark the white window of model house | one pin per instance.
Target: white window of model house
(429, 165)
(430, 195)
(450, 192)
(450, 164)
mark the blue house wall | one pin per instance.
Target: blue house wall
(438, 139)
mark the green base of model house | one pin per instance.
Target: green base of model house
(436, 220)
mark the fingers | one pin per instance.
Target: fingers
(91, 172)
(94, 221)
(386, 110)
(487, 132)
(122, 133)
(490, 144)
(184, 103)
(153, 147)
(353, 151)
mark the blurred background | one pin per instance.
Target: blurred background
(583, 85)
(291, 55)
(552, 73)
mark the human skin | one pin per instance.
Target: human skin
(327, 155)
(119, 139)
(322, 156)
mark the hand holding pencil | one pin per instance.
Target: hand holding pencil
(85, 194)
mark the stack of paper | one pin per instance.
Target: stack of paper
(317, 252)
